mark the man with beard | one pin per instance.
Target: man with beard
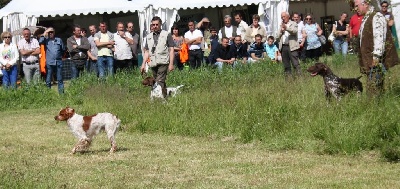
(239, 50)
(377, 50)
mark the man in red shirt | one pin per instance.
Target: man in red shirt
(355, 23)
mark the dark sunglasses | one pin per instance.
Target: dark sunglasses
(51, 32)
(154, 24)
(308, 18)
(7, 37)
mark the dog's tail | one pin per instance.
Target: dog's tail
(359, 77)
(179, 86)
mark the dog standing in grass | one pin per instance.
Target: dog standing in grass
(335, 86)
(157, 91)
(86, 127)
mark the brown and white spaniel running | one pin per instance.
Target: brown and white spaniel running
(86, 127)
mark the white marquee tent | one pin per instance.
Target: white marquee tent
(20, 13)
(29, 11)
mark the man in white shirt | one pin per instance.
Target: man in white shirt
(300, 26)
(123, 53)
(193, 38)
(242, 25)
(228, 30)
(29, 50)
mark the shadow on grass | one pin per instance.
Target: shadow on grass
(107, 150)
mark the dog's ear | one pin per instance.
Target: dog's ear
(324, 66)
(70, 111)
(147, 81)
(152, 81)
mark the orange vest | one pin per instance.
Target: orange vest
(184, 53)
(42, 61)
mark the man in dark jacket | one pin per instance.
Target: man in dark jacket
(78, 47)
(239, 49)
(223, 54)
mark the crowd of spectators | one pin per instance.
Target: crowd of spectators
(105, 53)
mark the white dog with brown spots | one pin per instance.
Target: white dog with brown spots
(86, 127)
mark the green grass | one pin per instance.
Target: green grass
(247, 127)
(35, 154)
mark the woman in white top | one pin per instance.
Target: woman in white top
(8, 61)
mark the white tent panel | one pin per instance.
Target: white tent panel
(396, 15)
(187, 4)
(46, 8)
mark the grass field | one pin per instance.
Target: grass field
(35, 154)
(244, 128)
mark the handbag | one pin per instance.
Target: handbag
(331, 37)
(322, 39)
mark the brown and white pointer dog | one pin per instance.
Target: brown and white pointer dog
(86, 127)
(335, 86)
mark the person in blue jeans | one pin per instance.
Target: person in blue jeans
(224, 55)
(105, 43)
(341, 30)
(78, 47)
(8, 61)
(55, 49)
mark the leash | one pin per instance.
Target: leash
(144, 75)
(380, 71)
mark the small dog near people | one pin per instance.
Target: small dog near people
(334, 85)
(157, 91)
(86, 127)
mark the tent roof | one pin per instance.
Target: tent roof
(46, 8)
(191, 4)
(52, 8)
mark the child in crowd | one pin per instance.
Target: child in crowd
(272, 51)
